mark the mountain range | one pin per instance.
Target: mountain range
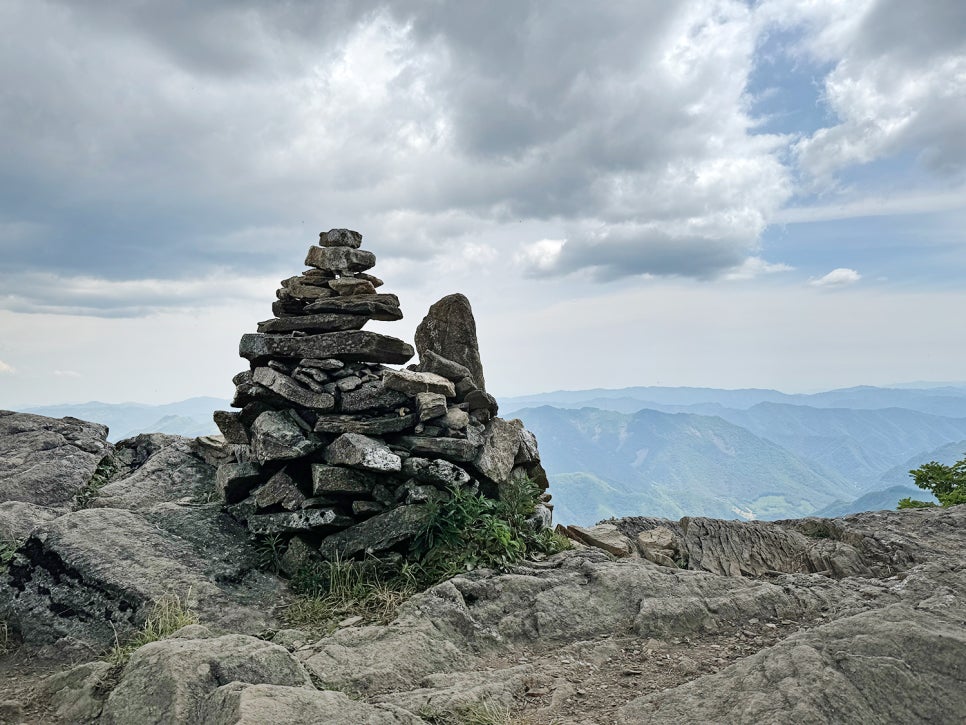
(659, 451)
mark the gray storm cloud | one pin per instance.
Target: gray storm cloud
(180, 141)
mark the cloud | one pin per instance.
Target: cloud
(421, 126)
(897, 84)
(67, 374)
(6, 369)
(753, 267)
(840, 277)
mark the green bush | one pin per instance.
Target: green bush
(468, 531)
(947, 484)
(465, 530)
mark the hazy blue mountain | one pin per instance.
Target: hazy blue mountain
(604, 463)
(886, 499)
(191, 417)
(860, 445)
(949, 401)
(946, 454)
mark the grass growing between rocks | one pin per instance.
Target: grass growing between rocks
(167, 616)
(465, 531)
(101, 477)
(332, 591)
(7, 549)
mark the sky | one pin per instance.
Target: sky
(707, 192)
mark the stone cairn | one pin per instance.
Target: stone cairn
(338, 453)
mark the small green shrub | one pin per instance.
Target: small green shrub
(468, 531)
(269, 550)
(911, 503)
(169, 614)
(947, 484)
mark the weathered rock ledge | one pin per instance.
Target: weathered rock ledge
(857, 619)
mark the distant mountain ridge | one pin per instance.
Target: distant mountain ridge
(191, 417)
(689, 451)
(604, 463)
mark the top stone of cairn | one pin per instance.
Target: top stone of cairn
(340, 238)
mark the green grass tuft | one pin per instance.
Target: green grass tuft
(169, 614)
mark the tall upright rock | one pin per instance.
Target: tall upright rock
(449, 331)
(336, 451)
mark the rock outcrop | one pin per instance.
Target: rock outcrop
(857, 619)
(585, 638)
(124, 527)
(336, 451)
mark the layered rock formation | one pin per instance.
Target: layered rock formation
(337, 451)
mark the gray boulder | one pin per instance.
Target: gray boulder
(894, 664)
(47, 461)
(279, 435)
(449, 331)
(358, 451)
(18, 519)
(154, 469)
(170, 681)
(94, 574)
(242, 704)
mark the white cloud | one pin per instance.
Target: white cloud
(897, 85)
(755, 267)
(540, 256)
(840, 277)
(6, 368)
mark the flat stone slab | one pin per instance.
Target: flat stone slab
(411, 383)
(340, 259)
(297, 521)
(336, 479)
(379, 533)
(351, 346)
(314, 324)
(284, 386)
(372, 396)
(366, 426)
(453, 449)
(383, 307)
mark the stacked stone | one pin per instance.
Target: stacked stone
(339, 453)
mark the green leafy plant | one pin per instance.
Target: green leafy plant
(8, 548)
(269, 550)
(947, 484)
(168, 614)
(467, 531)
(101, 477)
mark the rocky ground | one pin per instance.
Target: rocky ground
(859, 619)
